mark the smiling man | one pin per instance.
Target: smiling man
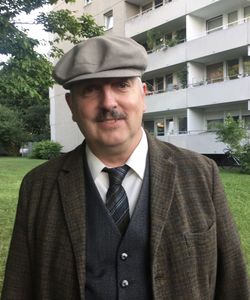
(123, 216)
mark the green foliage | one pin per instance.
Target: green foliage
(183, 77)
(67, 27)
(244, 156)
(233, 133)
(46, 150)
(26, 77)
(12, 133)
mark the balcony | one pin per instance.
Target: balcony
(166, 101)
(228, 91)
(166, 57)
(232, 40)
(154, 17)
(203, 142)
(218, 42)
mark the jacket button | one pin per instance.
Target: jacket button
(124, 256)
(124, 283)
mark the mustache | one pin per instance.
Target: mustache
(110, 114)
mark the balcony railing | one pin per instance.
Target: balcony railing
(165, 2)
(176, 87)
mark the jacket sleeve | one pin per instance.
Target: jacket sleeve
(18, 276)
(232, 280)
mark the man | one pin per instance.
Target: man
(163, 230)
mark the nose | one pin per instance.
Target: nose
(108, 100)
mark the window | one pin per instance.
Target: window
(160, 127)
(158, 3)
(215, 73)
(214, 24)
(246, 65)
(150, 85)
(146, 7)
(233, 68)
(181, 35)
(247, 12)
(86, 2)
(213, 125)
(159, 84)
(108, 20)
(182, 125)
(169, 82)
(232, 18)
(149, 126)
(246, 120)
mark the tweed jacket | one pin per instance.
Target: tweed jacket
(195, 249)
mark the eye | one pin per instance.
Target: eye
(122, 84)
(90, 89)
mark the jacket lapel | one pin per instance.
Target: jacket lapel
(162, 178)
(71, 184)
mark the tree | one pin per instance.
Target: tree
(234, 135)
(26, 76)
(12, 133)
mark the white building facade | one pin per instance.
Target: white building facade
(198, 70)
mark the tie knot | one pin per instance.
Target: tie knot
(116, 175)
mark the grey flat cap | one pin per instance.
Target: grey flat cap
(101, 57)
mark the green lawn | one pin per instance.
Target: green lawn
(12, 170)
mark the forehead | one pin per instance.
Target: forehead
(102, 81)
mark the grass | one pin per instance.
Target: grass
(237, 188)
(12, 170)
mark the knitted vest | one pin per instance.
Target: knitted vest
(117, 268)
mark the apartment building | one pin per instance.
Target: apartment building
(198, 70)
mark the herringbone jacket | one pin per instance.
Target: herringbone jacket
(195, 249)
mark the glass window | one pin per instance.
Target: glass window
(150, 85)
(181, 35)
(215, 73)
(246, 65)
(160, 128)
(182, 125)
(233, 69)
(169, 82)
(108, 20)
(159, 84)
(158, 3)
(232, 18)
(149, 126)
(246, 120)
(86, 2)
(247, 12)
(212, 125)
(214, 24)
(147, 7)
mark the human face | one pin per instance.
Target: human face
(109, 112)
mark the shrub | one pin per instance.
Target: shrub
(245, 158)
(45, 150)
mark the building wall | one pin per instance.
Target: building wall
(183, 114)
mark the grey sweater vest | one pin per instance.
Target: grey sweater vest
(117, 267)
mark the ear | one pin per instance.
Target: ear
(69, 101)
(145, 88)
(145, 91)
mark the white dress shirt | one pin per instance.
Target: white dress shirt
(133, 180)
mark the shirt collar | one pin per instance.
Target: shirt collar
(137, 160)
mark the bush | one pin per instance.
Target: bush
(245, 158)
(45, 150)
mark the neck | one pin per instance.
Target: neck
(114, 156)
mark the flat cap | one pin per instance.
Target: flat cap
(101, 57)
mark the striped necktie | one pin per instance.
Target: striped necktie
(116, 197)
